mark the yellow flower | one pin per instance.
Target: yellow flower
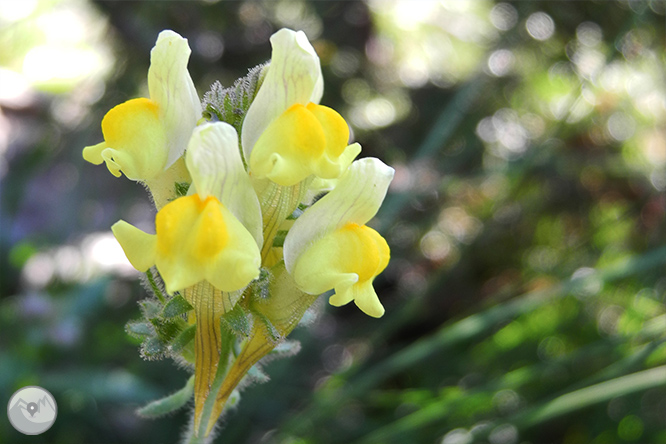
(287, 136)
(213, 234)
(330, 247)
(143, 137)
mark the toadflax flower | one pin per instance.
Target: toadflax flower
(330, 247)
(287, 136)
(213, 234)
(143, 137)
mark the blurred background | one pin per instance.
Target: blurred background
(527, 220)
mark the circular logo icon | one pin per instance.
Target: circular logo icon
(32, 410)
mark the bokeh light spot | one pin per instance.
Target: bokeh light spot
(540, 26)
(503, 16)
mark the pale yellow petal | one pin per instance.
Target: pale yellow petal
(171, 87)
(93, 153)
(139, 247)
(363, 295)
(317, 269)
(348, 155)
(293, 76)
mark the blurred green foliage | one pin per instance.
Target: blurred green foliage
(525, 297)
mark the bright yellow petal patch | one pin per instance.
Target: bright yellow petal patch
(302, 141)
(134, 141)
(347, 260)
(200, 239)
(191, 227)
(334, 126)
(195, 240)
(367, 252)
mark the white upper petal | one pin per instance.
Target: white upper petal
(171, 87)
(214, 162)
(356, 199)
(293, 76)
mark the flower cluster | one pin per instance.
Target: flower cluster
(237, 234)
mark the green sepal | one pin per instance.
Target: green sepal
(286, 349)
(279, 238)
(153, 348)
(150, 309)
(272, 333)
(231, 104)
(237, 322)
(234, 399)
(257, 374)
(176, 306)
(260, 285)
(168, 329)
(298, 211)
(139, 329)
(156, 285)
(181, 188)
(183, 339)
(168, 404)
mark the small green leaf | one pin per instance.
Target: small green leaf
(139, 329)
(168, 329)
(278, 240)
(233, 400)
(297, 212)
(231, 104)
(184, 338)
(153, 348)
(169, 403)
(181, 188)
(257, 374)
(286, 349)
(237, 321)
(273, 333)
(150, 309)
(176, 307)
(260, 285)
(157, 290)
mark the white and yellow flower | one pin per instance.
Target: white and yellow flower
(213, 233)
(330, 247)
(144, 137)
(287, 136)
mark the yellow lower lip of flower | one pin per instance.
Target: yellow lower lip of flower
(195, 240)
(302, 141)
(366, 252)
(191, 224)
(134, 141)
(347, 260)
